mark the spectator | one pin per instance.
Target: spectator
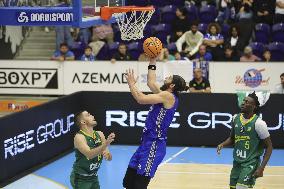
(230, 55)
(165, 55)
(263, 11)
(266, 56)
(249, 56)
(214, 41)
(246, 23)
(234, 40)
(279, 11)
(143, 57)
(224, 11)
(193, 39)
(103, 32)
(199, 84)
(63, 33)
(84, 35)
(179, 57)
(88, 54)
(279, 88)
(122, 54)
(180, 24)
(63, 53)
(203, 55)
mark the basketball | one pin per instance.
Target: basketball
(152, 46)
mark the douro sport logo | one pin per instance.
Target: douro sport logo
(30, 17)
(23, 18)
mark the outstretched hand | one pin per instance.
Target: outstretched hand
(110, 138)
(130, 77)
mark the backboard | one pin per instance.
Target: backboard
(79, 13)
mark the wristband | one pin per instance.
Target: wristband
(152, 67)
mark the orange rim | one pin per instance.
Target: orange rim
(106, 12)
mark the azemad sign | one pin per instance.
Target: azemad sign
(30, 139)
(30, 17)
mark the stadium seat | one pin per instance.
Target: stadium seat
(139, 3)
(207, 14)
(168, 13)
(178, 3)
(257, 48)
(225, 30)
(172, 47)
(112, 49)
(135, 49)
(278, 32)
(116, 32)
(161, 31)
(202, 27)
(277, 51)
(262, 33)
(159, 3)
(155, 19)
(192, 13)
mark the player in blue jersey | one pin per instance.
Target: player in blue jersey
(149, 155)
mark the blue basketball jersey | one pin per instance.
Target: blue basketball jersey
(152, 150)
(158, 120)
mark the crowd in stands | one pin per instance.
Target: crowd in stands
(224, 30)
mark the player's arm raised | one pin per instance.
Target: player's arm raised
(151, 77)
(163, 97)
(81, 144)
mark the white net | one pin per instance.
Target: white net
(132, 24)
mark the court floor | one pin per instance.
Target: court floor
(183, 167)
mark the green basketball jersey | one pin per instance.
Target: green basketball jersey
(248, 145)
(84, 166)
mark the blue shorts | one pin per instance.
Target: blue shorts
(148, 156)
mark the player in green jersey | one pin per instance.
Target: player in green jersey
(90, 148)
(250, 137)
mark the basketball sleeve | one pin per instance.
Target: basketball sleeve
(261, 129)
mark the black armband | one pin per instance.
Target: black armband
(152, 67)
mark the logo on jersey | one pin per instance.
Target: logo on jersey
(249, 129)
(242, 129)
(97, 141)
(23, 18)
(246, 178)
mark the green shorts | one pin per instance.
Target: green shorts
(81, 182)
(241, 173)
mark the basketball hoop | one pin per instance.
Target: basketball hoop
(131, 25)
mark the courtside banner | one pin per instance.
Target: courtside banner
(200, 120)
(233, 77)
(31, 77)
(36, 135)
(96, 76)
(105, 76)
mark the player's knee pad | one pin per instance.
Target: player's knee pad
(241, 187)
